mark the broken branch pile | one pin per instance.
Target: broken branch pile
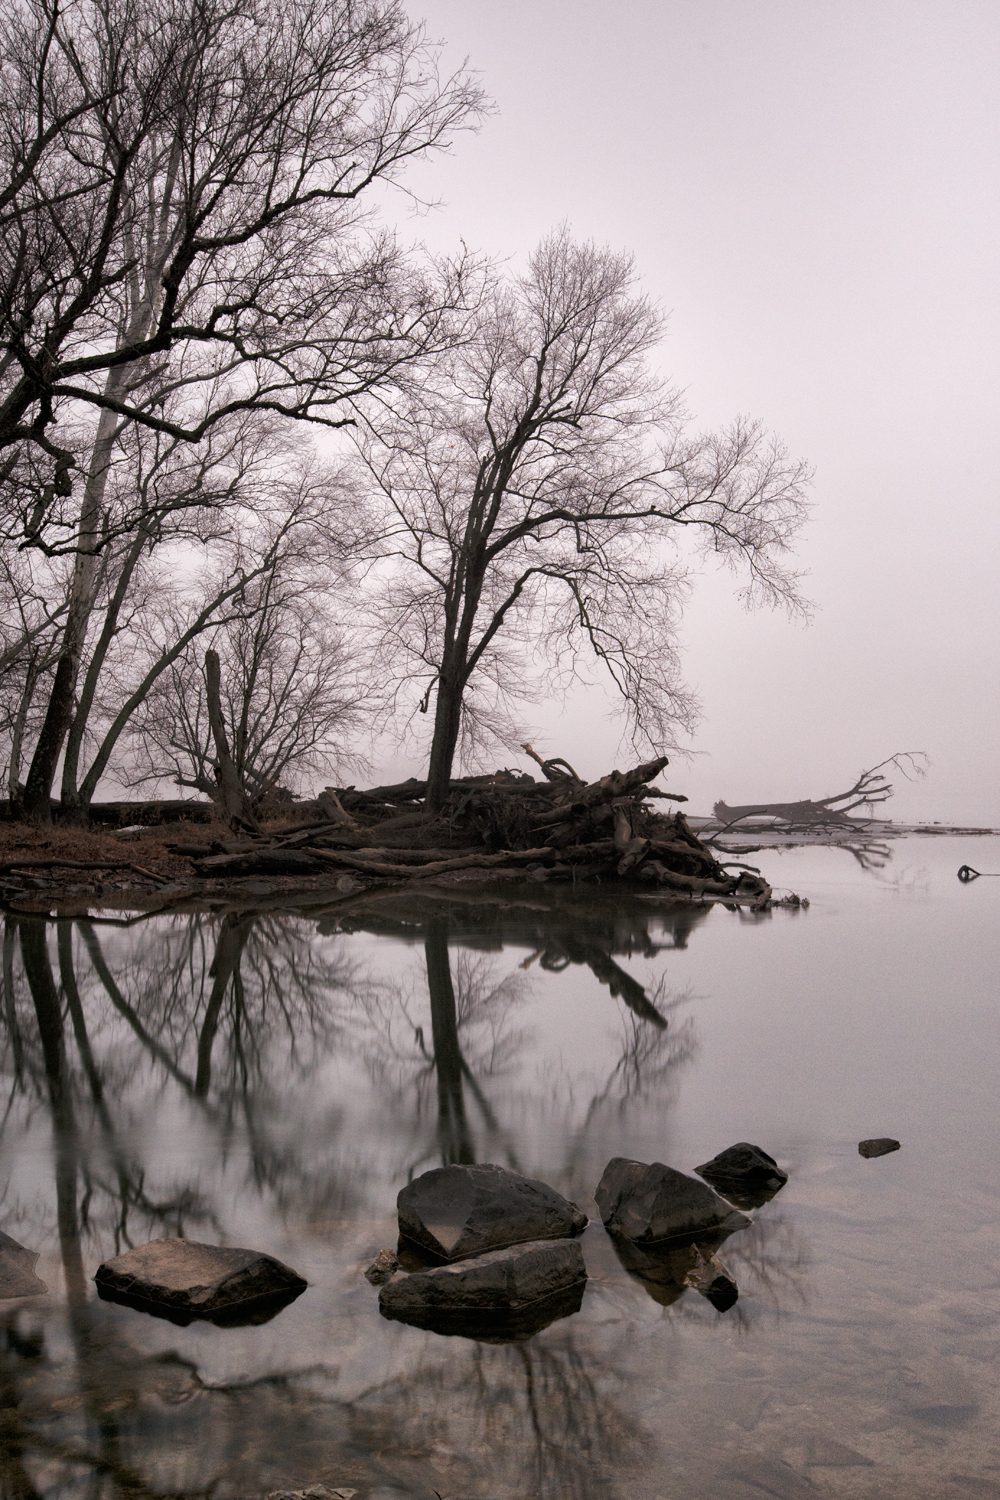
(501, 826)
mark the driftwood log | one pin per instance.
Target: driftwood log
(871, 788)
(500, 826)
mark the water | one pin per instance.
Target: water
(272, 1080)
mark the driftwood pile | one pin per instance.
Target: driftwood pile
(498, 826)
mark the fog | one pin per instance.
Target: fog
(812, 191)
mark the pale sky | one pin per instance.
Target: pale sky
(812, 190)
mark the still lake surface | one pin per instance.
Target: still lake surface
(271, 1081)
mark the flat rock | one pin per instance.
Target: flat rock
(457, 1212)
(880, 1145)
(501, 1281)
(648, 1203)
(184, 1280)
(17, 1270)
(745, 1174)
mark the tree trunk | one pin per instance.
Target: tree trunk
(18, 727)
(235, 802)
(59, 714)
(447, 723)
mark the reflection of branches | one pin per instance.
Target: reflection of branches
(647, 1060)
(537, 1409)
(770, 1263)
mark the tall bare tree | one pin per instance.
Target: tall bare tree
(181, 221)
(535, 493)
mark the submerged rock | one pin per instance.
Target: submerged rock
(183, 1280)
(514, 1281)
(17, 1270)
(382, 1267)
(457, 1212)
(649, 1203)
(667, 1272)
(744, 1174)
(880, 1145)
(712, 1280)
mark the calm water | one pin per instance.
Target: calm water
(272, 1080)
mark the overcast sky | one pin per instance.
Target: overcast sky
(811, 188)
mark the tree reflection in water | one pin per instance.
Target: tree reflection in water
(229, 1027)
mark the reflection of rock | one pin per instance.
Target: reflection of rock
(493, 1325)
(456, 1212)
(499, 1282)
(668, 1272)
(182, 1280)
(744, 1174)
(649, 1203)
(881, 1145)
(382, 1267)
(17, 1270)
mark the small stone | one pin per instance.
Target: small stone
(649, 1203)
(710, 1278)
(880, 1145)
(382, 1267)
(184, 1280)
(457, 1212)
(17, 1270)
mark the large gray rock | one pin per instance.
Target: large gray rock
(744, 1174)
(184, 1280)
(17, 1270)
(648, 1203)
(457, 1212)
(499, 1281)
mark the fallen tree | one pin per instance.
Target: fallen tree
(870, 789)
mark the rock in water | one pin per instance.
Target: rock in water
(510, 1293)
(183, 1280)
(382, 1267)
(667, 1271)
(648, 1203)
(881, 1145)
(457, 1212)
(744, 1173)
(17, 1270)
(712, 1280)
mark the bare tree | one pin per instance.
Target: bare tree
(535, 494)
(181, 243)
(186, 175)
(292, 694)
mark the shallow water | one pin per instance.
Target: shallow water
(272, 1082)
